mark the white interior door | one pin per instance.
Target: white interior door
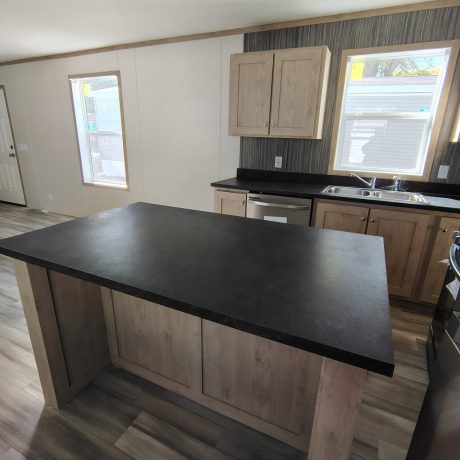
(10, 179)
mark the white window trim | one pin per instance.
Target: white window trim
(435, 124)
(95, 183)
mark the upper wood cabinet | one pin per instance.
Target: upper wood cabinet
(279, 93)
(437, 267)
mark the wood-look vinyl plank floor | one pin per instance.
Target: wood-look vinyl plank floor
(120, 416)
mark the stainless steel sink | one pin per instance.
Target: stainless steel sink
(375, 194)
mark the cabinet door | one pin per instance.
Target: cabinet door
(250, 91)
(164, 342)
(341, 217)
(299, 87)
(404, 235)
(436, 270)
(266, 379)
(230, 203)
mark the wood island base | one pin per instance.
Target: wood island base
(78, 328)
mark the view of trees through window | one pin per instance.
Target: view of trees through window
(389, 104)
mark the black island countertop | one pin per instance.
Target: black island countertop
(440, 197)
(318, 290)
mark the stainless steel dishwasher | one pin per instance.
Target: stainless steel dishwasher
(283, 209)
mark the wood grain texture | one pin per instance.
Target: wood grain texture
(436, 268)
(250, 93)
(300, 79)
(337, 408)
(230, 203)
(80, 318)
(311, 156)
(346, 218)
(405, 236)
(269, 380)
(160, 339)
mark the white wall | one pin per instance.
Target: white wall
(175, 100)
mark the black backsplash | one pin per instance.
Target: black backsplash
(312, 156)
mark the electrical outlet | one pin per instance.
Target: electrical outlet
(22, 147)
(278, 162)
(443, 172)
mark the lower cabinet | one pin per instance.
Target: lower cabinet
(338, 217)
(437, 266)
(232, 203)
(405, 237)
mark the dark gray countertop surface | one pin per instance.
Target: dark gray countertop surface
(318, 290)
(309, 190)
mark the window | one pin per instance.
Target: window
(98, 118)
(387, 110)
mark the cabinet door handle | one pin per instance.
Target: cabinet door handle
(273, 125)
(363, 219)
(372, 220)
(266, 124)
(243, 203)
(444, 230)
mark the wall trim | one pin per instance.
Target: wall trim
(428, 5)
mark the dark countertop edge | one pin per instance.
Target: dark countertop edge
(336, 354)
(273, 189)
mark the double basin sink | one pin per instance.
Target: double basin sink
(375, 194)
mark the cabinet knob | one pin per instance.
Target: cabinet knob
(372, 220)
(266, 124)
(444, 230)
(243, 203)
(363, 219)
(273, 125)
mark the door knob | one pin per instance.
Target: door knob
(12, 155)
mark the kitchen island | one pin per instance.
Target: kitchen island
(273, 325)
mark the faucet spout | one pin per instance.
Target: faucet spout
(370, 184)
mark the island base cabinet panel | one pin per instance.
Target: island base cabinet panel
(437, 266)
(65, 320)
(165, 343)
(345, 218)
(266, 379)
(337, 407)
(404, 235)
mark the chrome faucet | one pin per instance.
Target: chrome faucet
(396, 183)
(370, 184)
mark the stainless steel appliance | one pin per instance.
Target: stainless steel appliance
(283, 209)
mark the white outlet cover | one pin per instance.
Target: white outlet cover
(278, 162)
(22, 147)
(443, 172)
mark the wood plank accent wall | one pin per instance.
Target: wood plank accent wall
(312, 156)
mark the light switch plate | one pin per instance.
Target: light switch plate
(443, 172)
(278, 162)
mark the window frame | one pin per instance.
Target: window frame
(437, 120)
(116, 73)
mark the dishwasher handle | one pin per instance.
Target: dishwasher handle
(278, 205)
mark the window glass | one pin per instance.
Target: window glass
(96, 102)
(388, 109)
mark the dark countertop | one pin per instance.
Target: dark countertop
(312, 190)
(318, 290)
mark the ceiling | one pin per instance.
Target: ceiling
(31, 28)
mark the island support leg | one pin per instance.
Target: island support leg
(337, 406)
(66, 326)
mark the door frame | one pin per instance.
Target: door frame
(2, 87)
